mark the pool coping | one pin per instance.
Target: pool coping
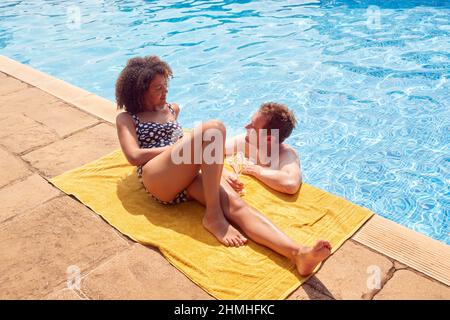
(415, 250)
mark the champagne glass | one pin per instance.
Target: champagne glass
(237, 162)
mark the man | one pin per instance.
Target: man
(271, 160)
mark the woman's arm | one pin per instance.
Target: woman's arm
(176, 108)
(129, 143)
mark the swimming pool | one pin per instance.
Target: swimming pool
(368, 80)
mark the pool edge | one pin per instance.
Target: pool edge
(80, 98)
(417, 251)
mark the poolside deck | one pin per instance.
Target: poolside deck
(49, 127)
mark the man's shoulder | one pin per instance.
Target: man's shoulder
(290, 159)
(288, 151)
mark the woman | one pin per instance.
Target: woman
(149, 133)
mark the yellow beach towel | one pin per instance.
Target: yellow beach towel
(109, 186)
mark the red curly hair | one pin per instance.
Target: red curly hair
(279, 117)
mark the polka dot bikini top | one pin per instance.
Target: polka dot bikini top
(154, 134)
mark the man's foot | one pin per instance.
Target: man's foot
(307, 258)
(223, 231)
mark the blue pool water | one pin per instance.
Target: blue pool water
(368, 80)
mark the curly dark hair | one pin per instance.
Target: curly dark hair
(278, 117)
(135, 79)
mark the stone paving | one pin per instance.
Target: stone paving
(43, 231)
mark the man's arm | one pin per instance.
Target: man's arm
(287, 179)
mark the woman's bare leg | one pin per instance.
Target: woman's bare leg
(262, 230)
(165, 178)
(214, 220)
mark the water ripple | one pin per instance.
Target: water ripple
(372, 104)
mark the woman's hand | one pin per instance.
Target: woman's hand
(231, 179)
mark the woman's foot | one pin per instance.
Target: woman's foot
(222, 230)
(307, 258)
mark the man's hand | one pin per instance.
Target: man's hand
(231, 179)
(251, 169)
